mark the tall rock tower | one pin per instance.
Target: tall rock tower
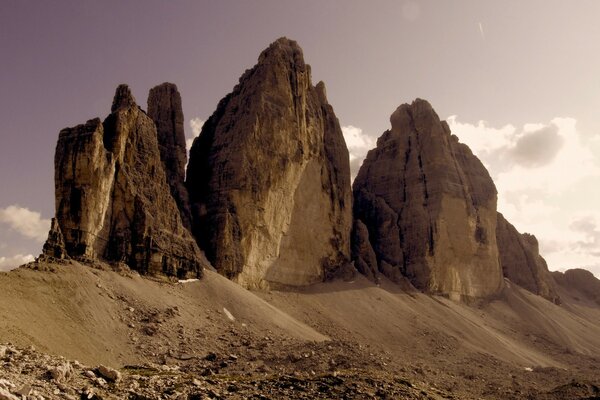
(269, 177)
(113, 201)
(425, 209)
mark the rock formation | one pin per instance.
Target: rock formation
(429, 208)
(164, 107)
(521, 261)
(579, 281)
(269, 177)
(113, 201)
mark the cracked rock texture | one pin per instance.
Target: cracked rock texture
(429, 207)
(164, 107)
(113, 202)
(269, 177)
(521, 261)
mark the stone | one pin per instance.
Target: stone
(521, 261)
(61, 373)
(109, 374)
(365, 259)
(429, 206)
(6, 395)
(579, 281)
(113, 202)
(269, 178)
(165, 109)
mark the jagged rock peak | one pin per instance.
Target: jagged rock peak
(269, 178)
(429, 207)
(113, 202)
(165, 109)
(522, 263)
(123, 98)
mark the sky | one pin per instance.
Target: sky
(517, 81)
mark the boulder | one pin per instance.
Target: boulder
(269, 177)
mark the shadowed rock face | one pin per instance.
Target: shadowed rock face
(164, 107)
(429, 207)
(521, 261)
(113, 201)
(580, 281)
(269, 178)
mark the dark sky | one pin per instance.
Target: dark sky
(505, 62)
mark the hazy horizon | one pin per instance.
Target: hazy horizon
(517, 81)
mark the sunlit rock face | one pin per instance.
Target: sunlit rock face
(113, 201)
(521, 261)
(269, 177)
(429, 208)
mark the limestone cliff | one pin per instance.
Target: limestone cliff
(429, 207)
(269, 177)
(521, 261)
(580, 283)
(164, 107)
(113, 201)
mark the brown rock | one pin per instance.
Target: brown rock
(521, 261)
(164, 107)
(55, 244)
(269, 177)
(429, 206)
(580, 282)
(112, 198)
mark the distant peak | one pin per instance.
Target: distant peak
(282, 48)
(123, 98)
(167, 87)
(406, 112)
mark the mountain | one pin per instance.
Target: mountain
(113, 201)
(269, 178)
(521, 261)
(427, 208)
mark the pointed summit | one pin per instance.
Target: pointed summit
(269, 178)
(123, 98)
(429, 207)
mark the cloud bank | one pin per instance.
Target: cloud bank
(358, 144)
(547, 179)
(8, 263)
(196, 126)
(29, 224)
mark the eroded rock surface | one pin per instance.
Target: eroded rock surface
(269, 178)
(580, 281)
(164, 107)
(521, 261)
(429, 206)
(113, 201)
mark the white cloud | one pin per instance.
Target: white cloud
(547, 179)
(8, 263)
(196, 126)
(358, 144)
(26, 222)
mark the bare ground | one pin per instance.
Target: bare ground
(214, 339)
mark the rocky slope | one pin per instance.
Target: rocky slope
(429, 208)
(581, 282)
(269, 177)
(113, 201)
(521, 261)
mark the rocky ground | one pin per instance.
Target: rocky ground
(347, 340)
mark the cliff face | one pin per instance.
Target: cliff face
(521, 261)
(429, 208)
(113, 201)
(580, 282)
(269, 177)
(164, 107)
